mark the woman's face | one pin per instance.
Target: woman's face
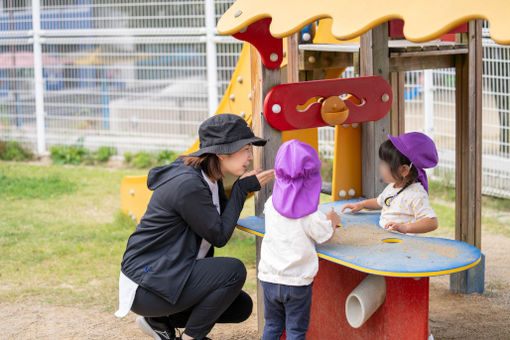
(237, 163)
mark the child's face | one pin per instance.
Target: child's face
(387, 176)
(384, 171)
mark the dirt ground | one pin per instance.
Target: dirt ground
(452, 316)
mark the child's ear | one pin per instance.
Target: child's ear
(405, 170)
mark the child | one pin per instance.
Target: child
(288, 261)
(404, 202)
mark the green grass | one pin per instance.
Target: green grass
(62, 235)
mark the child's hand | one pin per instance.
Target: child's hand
(394, 226)
(355, 207)
(334, 218)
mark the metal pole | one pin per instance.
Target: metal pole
(212, 75)
(428, 103)
(38, 77)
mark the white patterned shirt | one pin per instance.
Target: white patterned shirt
(409, 206)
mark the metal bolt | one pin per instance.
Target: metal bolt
(240, 80)
(132, 192)
(306, 37)
(385, 97)
(342, 193)
(355, 125)
(311, 59)
(345, 125)
(238, 13)
(273, 57)
(284, 53)
(250, 96)
(352, 192)
(134, 217)
(232, 97)
(276, 108)
(243, 30)
(243, 114)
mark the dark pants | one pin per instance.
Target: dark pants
(212, 294)
(286, 308)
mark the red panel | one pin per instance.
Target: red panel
(259, 36)
(403, 315)
(396, 29)
(370, 90)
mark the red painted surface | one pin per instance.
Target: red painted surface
(403, 315)
(259, 36)
(288, 96)
(396, 30)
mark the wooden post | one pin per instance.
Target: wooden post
(263, 80)
(374, 60)
(468, 170)
(397, 115)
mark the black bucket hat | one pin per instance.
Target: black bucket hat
(225, 134)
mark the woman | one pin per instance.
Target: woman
(168, 275)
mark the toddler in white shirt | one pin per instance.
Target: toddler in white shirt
(404, 203)
(293, 225)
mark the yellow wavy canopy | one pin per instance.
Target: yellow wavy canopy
(424, 19)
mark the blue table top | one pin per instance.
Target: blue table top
(362, 245)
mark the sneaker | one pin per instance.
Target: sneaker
(157, 334)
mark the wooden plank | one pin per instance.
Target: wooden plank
(263, 80)
(401, 64)
(469, 139)
(311, 60)
(374, 60)
(397, 114)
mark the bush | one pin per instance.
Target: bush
(143, 160)
(68, 154)
(14, 151)
(166, 157)
(104, 153)
(128, 157)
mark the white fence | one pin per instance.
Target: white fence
(142, 75)
(135, 75)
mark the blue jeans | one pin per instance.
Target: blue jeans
(286, 307)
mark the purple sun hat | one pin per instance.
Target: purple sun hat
(420, 150)
(298, 181)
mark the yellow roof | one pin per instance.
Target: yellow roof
(424, 19)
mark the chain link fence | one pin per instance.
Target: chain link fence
(142, 75)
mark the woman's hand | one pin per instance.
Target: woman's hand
(263, 177)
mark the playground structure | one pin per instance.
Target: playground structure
(384, 51)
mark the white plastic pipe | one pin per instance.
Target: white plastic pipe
(365, 299)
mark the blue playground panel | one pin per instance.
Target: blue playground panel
(410, 256)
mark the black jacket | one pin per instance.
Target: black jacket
(161, 252)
